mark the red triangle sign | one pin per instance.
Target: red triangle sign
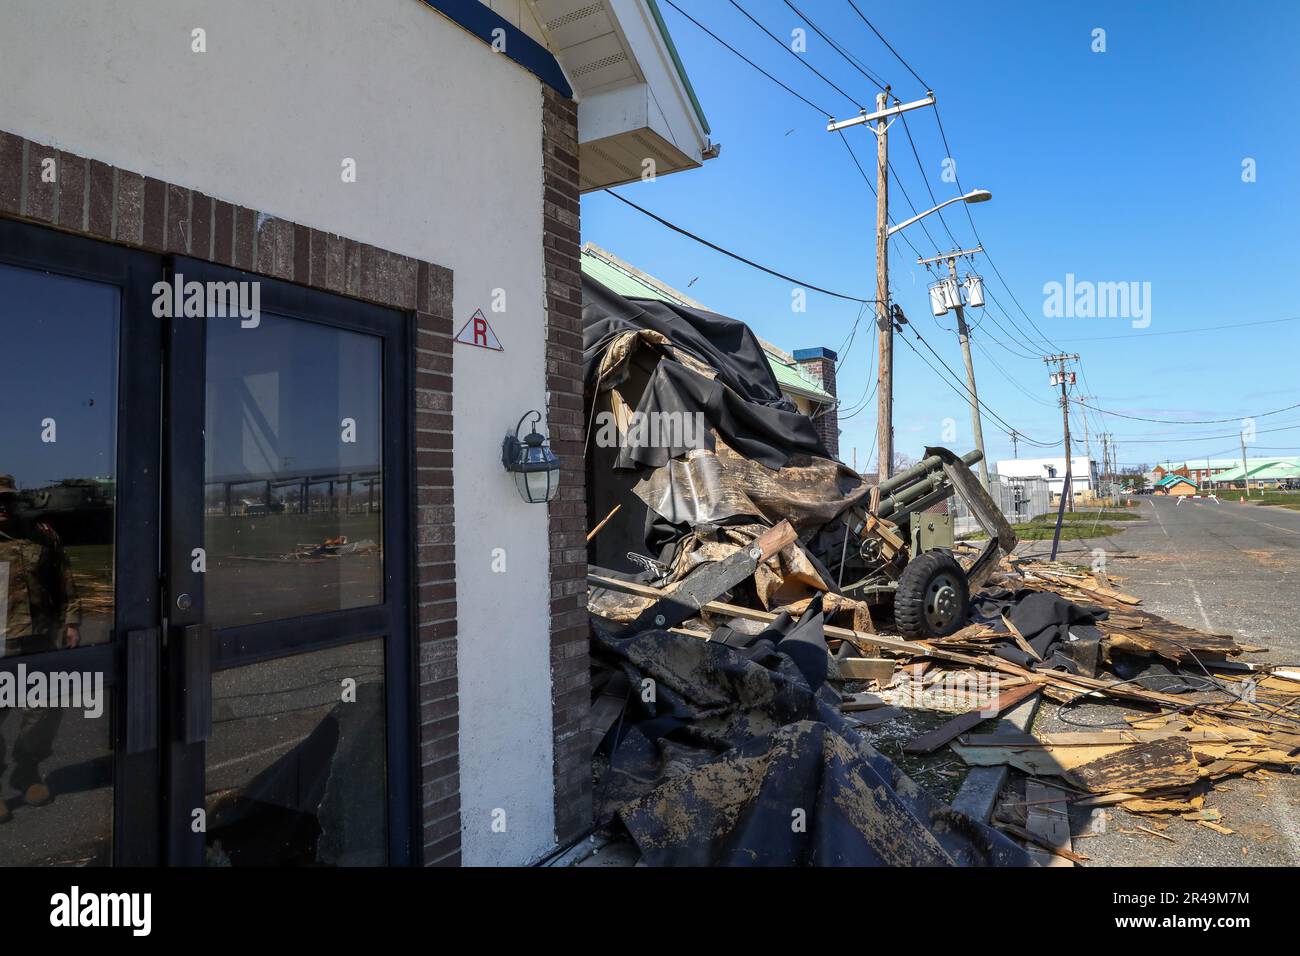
(478, 332)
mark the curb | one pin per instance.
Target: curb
(979, 791)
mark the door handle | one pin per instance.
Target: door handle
(196, 698)
(142, 690)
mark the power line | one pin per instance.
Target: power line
(797, 95)
(1010, 378)
(1204, 328)
(1189, 421)
(1006, 345)
(739, 258)
(996, 271)
(966, 389)
(888, 45)
(853, 61)
(782, 44)
(1136, 440)
(826, 113)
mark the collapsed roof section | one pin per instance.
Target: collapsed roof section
(714, 440)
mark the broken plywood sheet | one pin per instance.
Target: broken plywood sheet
(1156, 764)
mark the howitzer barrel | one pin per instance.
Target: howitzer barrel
(923, 467)
(916, 482)
(901, 502)
(942, 493)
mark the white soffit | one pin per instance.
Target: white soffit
(586, 38)
(634, 103)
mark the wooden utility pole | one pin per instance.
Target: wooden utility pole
(1087, 440)
(1245, 472)
(885, 321)
(963, 335)
(883, 117)
(1067, 490)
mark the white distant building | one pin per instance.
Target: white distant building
(1083, 472)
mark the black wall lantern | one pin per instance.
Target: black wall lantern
(535, 467)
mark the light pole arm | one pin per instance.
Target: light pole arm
(907, 222)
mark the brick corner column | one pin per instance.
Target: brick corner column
(438, 694)
(567, 513)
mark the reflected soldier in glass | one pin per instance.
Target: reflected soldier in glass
(39, 611)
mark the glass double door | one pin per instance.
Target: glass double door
(205, 517)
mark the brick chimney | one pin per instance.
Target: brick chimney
(819, 365)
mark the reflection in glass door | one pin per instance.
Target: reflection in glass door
(78, 554)
(295, 617)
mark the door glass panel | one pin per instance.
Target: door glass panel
(58, 338)
(57, 460)
(58, 786)
(293, 485)
(296, 764)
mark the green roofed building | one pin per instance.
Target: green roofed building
(806, 376)
(1260, 473)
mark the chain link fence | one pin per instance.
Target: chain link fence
(1020, 499)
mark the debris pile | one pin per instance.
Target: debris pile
(762, 616)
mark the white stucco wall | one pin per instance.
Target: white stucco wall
(447, 139)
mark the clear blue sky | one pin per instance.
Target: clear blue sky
(1117, 166)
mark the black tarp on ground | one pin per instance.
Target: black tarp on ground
(1062, 633)
(742, 741)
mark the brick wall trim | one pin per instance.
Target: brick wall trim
(92, 199)
(567, 513)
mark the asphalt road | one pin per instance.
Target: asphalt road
(1226, 568)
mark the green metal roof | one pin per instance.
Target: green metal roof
(1194, 464)
(1263, 471)
(632, 286)
(790, 379)
(623, 282)
(1168, 480)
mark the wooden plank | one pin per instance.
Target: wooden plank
(711, 580)
(877, 716)
(1152, 765)
(1020, 638)
(604, 521)
(1034, 838)
(859, 638)
(885, 530)
(878, 669)
(774, 539)
(928, 743)
(852, 703)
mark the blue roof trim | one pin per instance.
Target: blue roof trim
(481, 21)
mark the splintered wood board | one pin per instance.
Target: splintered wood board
(928, 743)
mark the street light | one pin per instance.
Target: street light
(975, 195)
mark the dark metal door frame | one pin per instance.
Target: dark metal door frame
(193, 650)
(129, 662)
(160, 654)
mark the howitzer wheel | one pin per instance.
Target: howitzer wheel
(932, 596)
